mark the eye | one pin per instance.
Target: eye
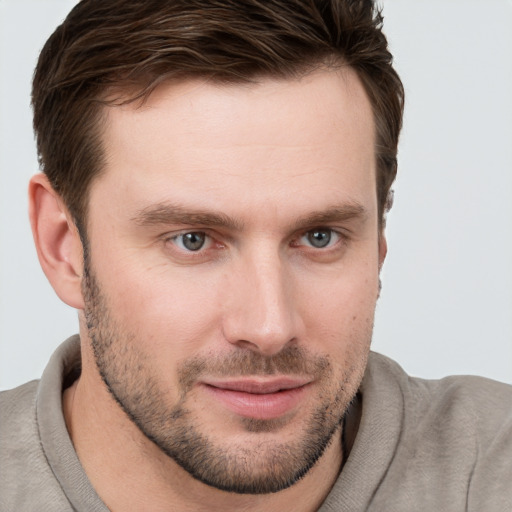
(193, 241)
(320, 238)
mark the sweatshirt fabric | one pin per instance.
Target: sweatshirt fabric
(422, 445)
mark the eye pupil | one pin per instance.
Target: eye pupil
(193, 241)
(319, 238)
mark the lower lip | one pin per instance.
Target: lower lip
(258, 406)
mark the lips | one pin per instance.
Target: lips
(258, 398)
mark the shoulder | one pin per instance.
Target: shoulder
(472, 403)
(27, 480)
(19, 399)
(18, 412)
(455, 436)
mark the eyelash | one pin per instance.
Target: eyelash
(337, 236)
(201, 254)
(340, 239)
(175, 239)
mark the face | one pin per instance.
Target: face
(233, 269)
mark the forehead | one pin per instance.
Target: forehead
(243, 144)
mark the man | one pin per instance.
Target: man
(216, 178)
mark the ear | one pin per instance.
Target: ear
(383, 248)
(57, 241)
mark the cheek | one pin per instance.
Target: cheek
(339, 313)
(168, 312)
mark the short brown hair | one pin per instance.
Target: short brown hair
(138, 44)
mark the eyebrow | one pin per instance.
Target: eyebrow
(169, 213)
(340, 213)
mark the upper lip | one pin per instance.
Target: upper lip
(258, 385)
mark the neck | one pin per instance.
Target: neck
(125, 467)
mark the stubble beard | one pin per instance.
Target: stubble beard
(257, 467)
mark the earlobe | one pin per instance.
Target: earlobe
(57, 241)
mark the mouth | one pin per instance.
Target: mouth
(262, 399)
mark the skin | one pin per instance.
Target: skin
(256, 168)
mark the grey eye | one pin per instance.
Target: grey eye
(191, 241)
(319, 238)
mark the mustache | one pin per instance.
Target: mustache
(292, 360)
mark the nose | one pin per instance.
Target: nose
(261, 313)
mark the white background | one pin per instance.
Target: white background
(446, 304)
